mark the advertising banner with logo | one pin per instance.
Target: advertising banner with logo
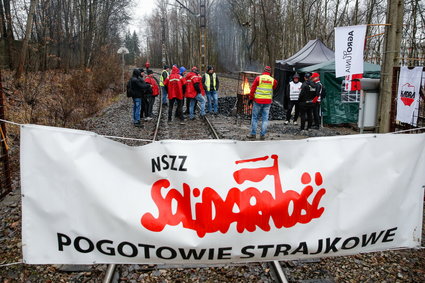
(408, 95)
(87, 199)
(349, 46)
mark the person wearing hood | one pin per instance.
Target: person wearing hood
(261, 96)
(175, 85)
(139, 88)
(189, 92)
(305, 101)
(294, 89)
(195, 92)
(211, 84)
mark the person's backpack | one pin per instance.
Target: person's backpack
(129, 89)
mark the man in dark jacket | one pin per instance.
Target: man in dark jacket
(139, 88)
(320, 95)
(305, 101)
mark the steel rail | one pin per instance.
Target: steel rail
(278, 271)
(110, 271)
(214, 132)
(155, 134)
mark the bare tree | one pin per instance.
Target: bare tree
(23, 53)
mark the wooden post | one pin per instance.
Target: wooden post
(202, 35)
(5, 185)
(395, 11)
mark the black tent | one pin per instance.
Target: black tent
(314, 52)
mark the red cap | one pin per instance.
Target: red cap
(268, 69)
(315, 75)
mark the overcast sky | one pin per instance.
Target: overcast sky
(142, 8)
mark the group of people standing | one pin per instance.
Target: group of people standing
(193, 87)
(306, 98)
(142, 89)
(175, 87)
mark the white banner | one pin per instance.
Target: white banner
(408, 95)
(87, 199)
(349, 46)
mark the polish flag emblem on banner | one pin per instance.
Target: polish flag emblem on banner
(407, 94)
(352, 82)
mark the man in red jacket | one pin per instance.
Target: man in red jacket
(195, 91)
(151, 97)
(174, 84)
(189, 93)
(261, 96)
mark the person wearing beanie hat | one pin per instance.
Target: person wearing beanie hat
(294, 89)
(261, 96)
(182, 71)
(138, 88)
(150, 79)
(143, 113)
(305, 101)
(190, 92)
(211, 84)
(320, 95)
(165, 73)
(194, 92)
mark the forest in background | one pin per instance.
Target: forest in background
(241, 34)
(247, 34)
(59, 58)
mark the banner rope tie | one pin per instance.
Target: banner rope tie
(410, 130)
(105, 136)
(10, 264)
(148, 140)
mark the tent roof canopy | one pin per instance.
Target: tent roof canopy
(314, 52)
(330, 67)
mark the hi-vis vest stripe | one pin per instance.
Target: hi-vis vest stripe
(161, 79)
(294, 90)
(265, 88)
(208, 81)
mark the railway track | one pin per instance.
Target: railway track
(199, 128)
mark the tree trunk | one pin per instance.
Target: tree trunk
(9, 31)
(23, 54)
(3, 30)
(392, 48)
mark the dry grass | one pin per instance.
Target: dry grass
(55, 98)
